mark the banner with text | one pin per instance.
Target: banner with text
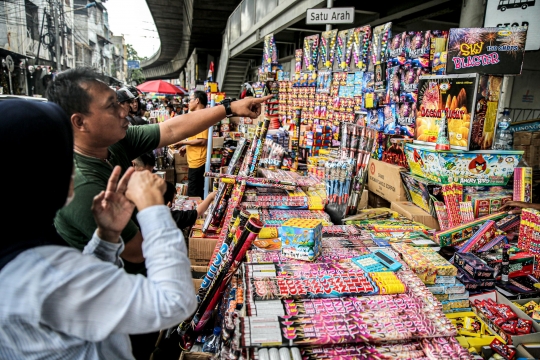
(486, 50)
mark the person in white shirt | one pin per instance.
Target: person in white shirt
(57, 303)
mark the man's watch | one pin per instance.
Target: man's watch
(227, 104)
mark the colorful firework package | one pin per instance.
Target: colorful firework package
(311, 47)
(406, 118)
(469, 103)
(496, 50)
(397, 51)
(301, 238)
(418, 45)
(360, 47)
(327, 49)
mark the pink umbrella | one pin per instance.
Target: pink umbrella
(161, 87)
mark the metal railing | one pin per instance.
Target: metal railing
(247, 14)
(519, 114)
(224, 57)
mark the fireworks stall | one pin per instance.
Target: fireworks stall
(294, 266)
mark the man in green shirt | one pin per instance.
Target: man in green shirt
(103, 139)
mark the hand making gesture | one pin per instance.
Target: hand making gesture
(111, 208)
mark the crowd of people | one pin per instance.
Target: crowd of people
(66, 291)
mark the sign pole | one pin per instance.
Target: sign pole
(11, 68)
(329, 4)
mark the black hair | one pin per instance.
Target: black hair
(201, 95)
(66, 89)
(148, 159)
(168, 197)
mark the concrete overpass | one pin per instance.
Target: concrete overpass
(184, 25)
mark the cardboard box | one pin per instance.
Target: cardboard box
(501, 299)
(364, 200)
(197, 275)
(217, 142)
(201, 250)
(181, 177)
(179, 159)
(466, 168)
(474, 266)
(477, 343)
(385, 180)
(169, 175)
(186, 355)
(375, 201)
(522, 138)
(181, 168)
(197, 284)
(521, 264)
(414, 213)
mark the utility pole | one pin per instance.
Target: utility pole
(56, 13)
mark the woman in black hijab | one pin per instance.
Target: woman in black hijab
(29, 130)
(57, 303)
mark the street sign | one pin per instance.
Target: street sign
(344, 15)
(503, 13)
(10, 64)
(133, 64)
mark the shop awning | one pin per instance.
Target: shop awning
(5, 51)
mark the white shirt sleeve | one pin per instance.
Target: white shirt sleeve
(105, 250)
(96, 298)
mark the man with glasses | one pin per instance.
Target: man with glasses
(102, 139)
(195, 148)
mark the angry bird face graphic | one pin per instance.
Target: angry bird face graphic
(478, 165)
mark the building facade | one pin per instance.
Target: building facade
(32, 32)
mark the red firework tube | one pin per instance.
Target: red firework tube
(252, 229)
(226, 155)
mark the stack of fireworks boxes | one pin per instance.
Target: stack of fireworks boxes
(439, 275)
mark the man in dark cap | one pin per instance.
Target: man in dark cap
(134, 117)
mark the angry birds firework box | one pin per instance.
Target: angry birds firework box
(490, 168)
(301, 238)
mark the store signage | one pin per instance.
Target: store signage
(491, 50)
(344, 15)
(503, 13)
(133, 64)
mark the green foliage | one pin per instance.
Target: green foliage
(136, 75)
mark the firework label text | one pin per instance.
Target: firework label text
(471, 49)
(476, 60)
(450, 114)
